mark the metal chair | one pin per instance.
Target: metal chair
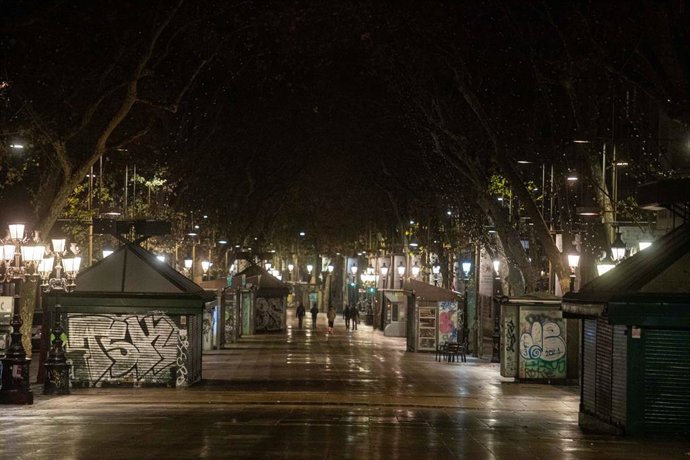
(441, 351)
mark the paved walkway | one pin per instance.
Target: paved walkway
(306, 394)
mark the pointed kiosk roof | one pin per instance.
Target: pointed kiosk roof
(267, 285)
(652, 283)
(134, 270)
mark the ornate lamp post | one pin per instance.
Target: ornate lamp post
(310, 268)
(205, 265)
(188, 267)
(605, 265)
(290, 268)
(20, 261)
(353, 270)
(466, 267)
(618, 248)
(329, 268)
(498, 293)
(401, 273)
(415, 270)
(57, 370)
(384, 273)
(436, 271)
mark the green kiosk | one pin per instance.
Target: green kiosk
(635, 372)
(132, 320)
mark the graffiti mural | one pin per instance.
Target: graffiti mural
(182, 351)
(509, 340)
(447, 322)
(117, 349)
(542, 344)
(269, 314)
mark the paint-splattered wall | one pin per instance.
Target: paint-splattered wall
(111, 349)
(447, 322)
(542, 344)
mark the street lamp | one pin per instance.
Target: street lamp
(401, 273)
(618, 248)
(384, 273)
(466, 267)
(436, 271)
(57, 369)
(498, 293)
(573, 262)
(205, 265)
(605, 265)
(415, 270)
(21, 261)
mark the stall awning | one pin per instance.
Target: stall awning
(395, 297)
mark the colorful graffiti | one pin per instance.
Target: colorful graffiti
(122, 348)
(542, 345)
(269, 314)
(447, 322)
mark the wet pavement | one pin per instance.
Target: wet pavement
(308, 395)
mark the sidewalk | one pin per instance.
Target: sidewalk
(308, 394)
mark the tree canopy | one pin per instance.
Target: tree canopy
(343, 120)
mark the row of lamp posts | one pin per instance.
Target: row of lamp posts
(24, 260)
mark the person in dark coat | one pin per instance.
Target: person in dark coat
(354, 316)
(346, 316)
(314, 312)
(301, 311)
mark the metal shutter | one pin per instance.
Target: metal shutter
(666, 378)
(604, 369)
(620, 375)
(589, 363)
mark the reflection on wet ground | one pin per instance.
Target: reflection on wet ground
(306, 394)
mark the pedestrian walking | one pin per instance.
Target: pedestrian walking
(354, 317)
(346, 316)
(314, 312)
(331, 318)
(301, 312)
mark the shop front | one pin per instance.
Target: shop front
(433, 316)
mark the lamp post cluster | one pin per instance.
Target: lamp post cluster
(23, 259)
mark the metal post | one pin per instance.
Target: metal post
(15, 367)
(57, 369)
(465, 329)
(496, 336)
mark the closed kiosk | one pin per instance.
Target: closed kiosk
(132, 321)
(635, 373)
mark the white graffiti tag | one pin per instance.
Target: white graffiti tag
(544, 341)
(112, 348)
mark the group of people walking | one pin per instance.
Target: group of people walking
(350, 315)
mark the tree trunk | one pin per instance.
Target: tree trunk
(27, 309)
